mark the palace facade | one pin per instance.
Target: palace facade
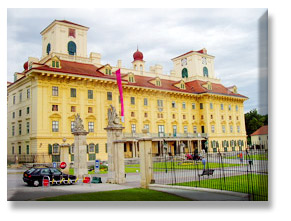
(187, 108)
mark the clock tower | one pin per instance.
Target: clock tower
(195, 65)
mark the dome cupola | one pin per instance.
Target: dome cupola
(138, 56)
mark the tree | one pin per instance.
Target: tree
(254, 121)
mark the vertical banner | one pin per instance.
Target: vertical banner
(118, 78)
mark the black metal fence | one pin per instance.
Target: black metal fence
(243, 171)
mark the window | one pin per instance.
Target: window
(174, 116)
(90, 109)
(19, 149)
(146, 126)
(72, 48)
(184, 73)
(105, 147)
(57, 64)
(184, 116)
(202, 117)
(182, 86)
(55, 108)
(133, 128)
(161, 129)
(205, 72)
(193, 117)
(20, 96)
(28, 93)
(238, 129)
(211, 105)
(55, 126)
(73, 126)
(158, 83)
(160, 103)
(201, 106)
(221, 106)
(185, 129)
(231, 128)
(91, 148)
(145, 102)
(131, 79)
(173, 104)
(73, 108)
(132, 114)
(12, 150)
(13, 130)
(19, 113)
(195, 129)
(48, 48)
(236, 107)
(174, 130)
(72, 148)
(211, 117)
(90, 94)
(229, 107)
(73, 92)
(27, 110)
(55, 91)
(223, 129)
(212, 129)
(145, 114)
(229, 117)
(236, 117)
(55, 148)
(184, 105)
(53, 64)
(132, 100)
(27, 127)
(193, 106)
(14, 99)
(19, 129)
(222, 117)
(13, 115)
(109, 96)
(91, 126)
(27, 149)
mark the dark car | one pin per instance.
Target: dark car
(35, 176)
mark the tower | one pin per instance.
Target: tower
(64, 37)
(138, 62)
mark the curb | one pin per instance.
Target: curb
(243, 195)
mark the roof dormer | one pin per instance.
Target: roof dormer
(55, 62)
(131, 78)
(207, 85)
(105, 69)
(233, 89)
(181, 85)
(157, 82)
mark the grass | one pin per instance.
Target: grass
(135, 194)
(258, 185)
(251, 157)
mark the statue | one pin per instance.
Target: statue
(113, 119)
(78, 124)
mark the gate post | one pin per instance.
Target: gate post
(145, 147)
(116, 173)
(64, 156)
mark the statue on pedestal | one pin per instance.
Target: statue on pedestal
(113, 119)
(78, 124)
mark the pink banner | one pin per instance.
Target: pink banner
(118, 78)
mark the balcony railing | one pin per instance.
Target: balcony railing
(166, 135)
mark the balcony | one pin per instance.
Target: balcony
(166, 135)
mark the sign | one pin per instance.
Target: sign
(54, 164)
(97, 166)
(63, 165)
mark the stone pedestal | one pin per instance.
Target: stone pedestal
(115, 149)
(64, 156)
(145, 148)
(80, 154)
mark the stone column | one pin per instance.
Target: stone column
(80, 155)
(64, 155)
(118, 161)
(145, 148)
(199, 146)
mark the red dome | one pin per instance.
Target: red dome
(25, 66)
(138, 55)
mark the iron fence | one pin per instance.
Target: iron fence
(241, 171)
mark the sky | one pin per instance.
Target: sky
(236, 37)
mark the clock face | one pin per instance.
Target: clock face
(204, 61)
(184, 61)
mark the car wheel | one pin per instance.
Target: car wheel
(36, 183)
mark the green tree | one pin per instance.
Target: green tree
(254, 121)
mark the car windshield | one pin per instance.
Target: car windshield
(45, 171)
(56, 171)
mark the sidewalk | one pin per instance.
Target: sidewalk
(200, 194)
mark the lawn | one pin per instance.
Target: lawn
(136, 194)
(258, 184)
(251, 157)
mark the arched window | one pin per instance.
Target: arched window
(48, 48)
(140, 67)
(72, 49)
(205, 72)
(184, 73)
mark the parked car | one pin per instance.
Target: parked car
(35, 176)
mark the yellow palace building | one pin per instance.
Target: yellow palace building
(187, 108)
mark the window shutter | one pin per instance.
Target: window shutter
(87, 148)
(242, 143)
(217, 144)
(97, 148)
(235, 143)
(50, 149)
(70, 149)
(227, 144)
